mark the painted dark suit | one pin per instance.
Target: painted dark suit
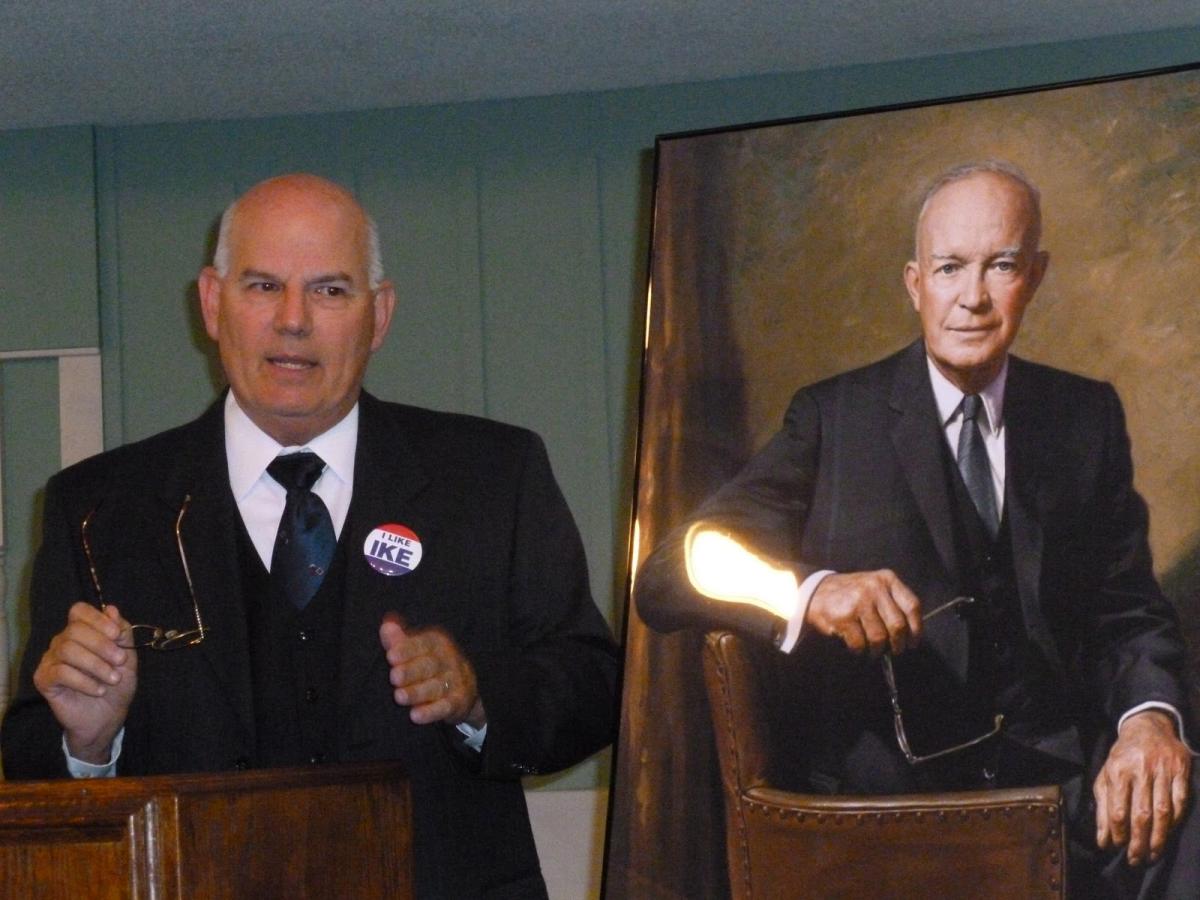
(860, 478)
(502, 570)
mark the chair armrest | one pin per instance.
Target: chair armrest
(977, 844)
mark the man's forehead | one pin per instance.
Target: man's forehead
(984, 203)
(979, 194)
(288, 241)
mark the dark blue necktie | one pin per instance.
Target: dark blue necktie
(974, 466)
(305, 540)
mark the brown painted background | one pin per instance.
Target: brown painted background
(777, 261)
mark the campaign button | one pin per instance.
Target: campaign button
(392, 549)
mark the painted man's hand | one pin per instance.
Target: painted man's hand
(1142, 791)
(867, 611)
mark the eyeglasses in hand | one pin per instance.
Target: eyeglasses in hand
(150, 636)
(889, 675)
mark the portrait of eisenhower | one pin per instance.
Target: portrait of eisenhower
(986, 309)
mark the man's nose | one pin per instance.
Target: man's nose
(975, 294)
(292, 312)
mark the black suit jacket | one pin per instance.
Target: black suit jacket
(857, 480)
(503, 571)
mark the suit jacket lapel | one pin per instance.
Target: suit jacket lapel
(917, 439)
(387, 474)
(1026, 432)
(209, 534)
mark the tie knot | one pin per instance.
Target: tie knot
(970, 406)
(297, 471)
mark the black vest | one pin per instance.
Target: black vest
(1006, 670)
(294, 656)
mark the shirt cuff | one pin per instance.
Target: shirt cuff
(472, 737)
(804, 593)
(80, 769)
(1164, 707)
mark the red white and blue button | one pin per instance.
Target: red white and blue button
(392, 549)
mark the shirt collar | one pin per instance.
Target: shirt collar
(949, 397)
(249, 449)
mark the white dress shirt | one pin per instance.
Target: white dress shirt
(260, 498)
(991, 424)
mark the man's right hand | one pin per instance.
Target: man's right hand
(88, 680)
(872, 611)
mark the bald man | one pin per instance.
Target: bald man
(955, 470)
(354, 580)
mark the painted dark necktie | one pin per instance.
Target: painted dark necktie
(305, 541)
(974, 466)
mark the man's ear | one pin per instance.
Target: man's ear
(385, 306)
(209, 285)
(912, 282)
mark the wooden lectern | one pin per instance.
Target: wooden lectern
(331, 832)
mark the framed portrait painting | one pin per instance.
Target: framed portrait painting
(778, 258)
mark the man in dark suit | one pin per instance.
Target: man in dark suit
(417, 592)
(954, 470)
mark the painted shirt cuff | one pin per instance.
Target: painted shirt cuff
(804, 593)
(1167, 708)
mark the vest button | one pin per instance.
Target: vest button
(305, 634)
(311, 695)
(316, 759)
(241, 764)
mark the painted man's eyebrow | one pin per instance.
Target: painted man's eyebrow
(1003, 251)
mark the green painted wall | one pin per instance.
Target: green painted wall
(29, 390)
(48, 301)
(516, 233)
(47, 240)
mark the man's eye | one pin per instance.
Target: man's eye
(947, 268)
(332, 290)
(263, 287)
(1005, 265)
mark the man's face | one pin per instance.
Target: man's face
(294, 318)
(976, 270)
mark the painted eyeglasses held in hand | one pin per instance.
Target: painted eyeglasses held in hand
(889, 675)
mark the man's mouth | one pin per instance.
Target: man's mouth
(294, 363)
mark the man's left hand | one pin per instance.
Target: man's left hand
(1142, 790)
(430, 675)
